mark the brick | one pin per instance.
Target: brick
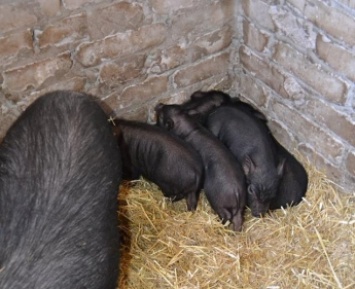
(170, 6)
(167, 59)
(288, 25)
(308, 132)
(76, 83)
(349, 3)
(138, 94)
(15, 44)
(49, 7)
(64, 31)
(182, 53)
(74, 4)
(333, 172)
(263, 70)
(202, 70)
(282, 134)
(121, 44)
(253, 37)
(210, 43)
(117, 17)
(139, 114)
(299, 4)
(335, 120)
(251, 90)
(197, 21)
(36, 74)
(350, 163)
(296, 93)
(16, 16)
(222, 82)
(328, 85)
(115, 74)
(331, 20)
(258, 12)
(337, 57)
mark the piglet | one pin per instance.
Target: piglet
(224, 182)
(162, 158)
(294, 181)
(250, 142)
(201, 103)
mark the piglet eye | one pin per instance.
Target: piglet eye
(251, 190)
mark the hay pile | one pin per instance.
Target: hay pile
(308, 246)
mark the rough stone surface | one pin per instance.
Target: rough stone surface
(337, 57)
(13, 45)
(113, 74)
(64, 31)
(16, 16)
(332, 171)
(50, 7)
(138, 94)
(200, 71)
(335, 120)
(253, 37)
(350, 163)
(170, 6)
(74, 4)
(192, 21)
(332, 20)
(114, 18)
(35, 74)
(251, 90)
(263, 70)
(118, 45)
(309, 131)
(328, 85)
(258, 12)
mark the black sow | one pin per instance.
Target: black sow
(249, 141)
(60, 170)
(162, 158)
(224, 180)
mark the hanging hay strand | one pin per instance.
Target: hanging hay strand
(311, 245)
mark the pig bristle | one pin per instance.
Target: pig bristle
(307, 246)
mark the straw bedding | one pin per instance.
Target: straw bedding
(311, 245)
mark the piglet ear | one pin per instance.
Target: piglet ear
(248, 165)
(158, 107)
(192, 112)
(197, 94)
(281, 167)
(169, 124)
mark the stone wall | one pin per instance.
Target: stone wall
(294, 59)
(296, 62)
(131, 54)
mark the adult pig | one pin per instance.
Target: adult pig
(224, 183)
(60, 170)
(162, 158)
(250, 142)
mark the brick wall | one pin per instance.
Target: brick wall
(296, 62)
(129, 53)
(294, 59)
